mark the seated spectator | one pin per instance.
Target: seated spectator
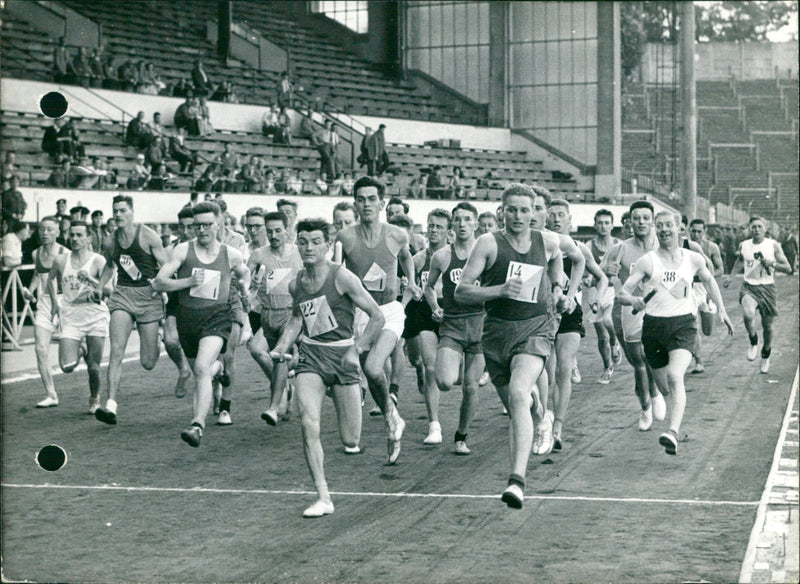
(87, 174)
(110, 75)
(9, 166)
(61, 62)
(138, 133)
(231, 96)
(14, 204)
(435, 188)
(70, 141)
(282, 182)
(11, 251)
(363, 156)
(293, 183)
(347, 184)
(202, 84)
(321, 184)
(269, 123)
(181, 116)
(107, 179)
(208, 179)
(160, 179)
(181, 89)
(226, 183)
(204, 120)
(81, 68)
(284, 135)
(156, 128)
(224, 92)
(156, 154)
(284, 90)
(251, 176)
(308, 127)
(229, 160)
(140, 175)
(180, 153)
(456, 187)
(62, 176)
(154, 79)
(417, 187)
(50, 143)
(127, 77)
(269, 183)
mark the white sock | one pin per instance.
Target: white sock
(111, 406)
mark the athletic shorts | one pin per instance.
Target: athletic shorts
(237, 309)
(631, 325)
(605, 304)
(701, 298)
(393, 315)
(171, 309)
(273, 320)
(334, 364)
(142, 303)
(662, 334)
(44, 315)
(764, 295)
(462, 333)
(195, 324)
(502, 339)
(419, 318)
(572, 322)
(86, 319)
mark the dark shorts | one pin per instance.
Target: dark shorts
(195, 324)
(462, 333)
(764, 295)
(335, 365)
(172, 304)
(273, 320)
(572, 322)
(141, 303)
(502, 339)
(662, 334)
(255, 321)
(419, 318)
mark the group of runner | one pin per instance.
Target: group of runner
(325, 307)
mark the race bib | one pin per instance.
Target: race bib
(752, 269)
(126, 263)
(375, 279)
(423, 281)
(455, 277)
(277, 281)
(676, 285)
(531, 277)
(317, 316)
(209, 288)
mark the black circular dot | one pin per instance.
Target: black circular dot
(53, 104)
(52, 457)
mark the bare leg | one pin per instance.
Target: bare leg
(120, 329)
(148, 344)
(93, 358)
(42, 337)
(310, 394)
(173, 346)
(205, 366)
(567, 345)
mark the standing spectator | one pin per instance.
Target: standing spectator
(457, 183)
(14, 204)
(61, 207)
(110, 75)
(307, 126)
(729, 247)
(9, 166)
(322, 141)
(126, 74)
(204, 122)
(138, 133)
(435, 188)
(97, 231)
(363, 156)
(376, 148)
(64, 223)
(284, 127)
(202, 84)
(269, 123)
(181, 116)
(284, 90)
(61, 62)
(180, 153)
(16, 232)
(82, 68)
(96, 66)
(789, 245)
(335, 140)
(155, 154)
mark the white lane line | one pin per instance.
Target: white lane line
(56, 371)
(749, 561)
(373, 494)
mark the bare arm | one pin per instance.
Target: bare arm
(347, 283)
(164, 282)
(28, 293)
(781, 263)
(237, 265)
(52, 277)
(570, 250)
(713, 290)
(153, 241)
(407, 263)
(640, 271)
(594, 270)
(109, 269)
(716, 260)
(736, 266)
(290, 333)
(467, 292)
(435, 272)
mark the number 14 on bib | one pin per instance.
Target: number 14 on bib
(531, 277)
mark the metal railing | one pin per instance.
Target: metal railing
(14, 319)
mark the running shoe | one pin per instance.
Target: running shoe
(605, 378)
(394, 430)
(192, 436)
(319, 509)
(659, 408)
(94, 405)
(434, 434)
(376, 411)
(106, 416)
(557, 444)
(48, 402)
(616, 353)
(576, 375)
(484, 379)
(698, 368)
(461, 449)
(353, 450)
(752, 352)
(764, 365)
(669, 440)
(543, 435)
(224, 419)
(646, 419)
(270, 417)
(513, 496)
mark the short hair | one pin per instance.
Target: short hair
(61, 201)
(641, 204)
(51, 219)
(541, 191)
(401, 220)
(285, 202)
(756, 218)
(185, 213)
(442, 214)
(223, 206)
(255, 212)
(15, 225)
(83, 224)
(697, 221)
(604, 213)
(368, 181)
(465, 206)
(314, 224)
(206, 207)
(559, 203)
(518, 190)
(398, 201)
(276, 216)
(127, 199)
(626, 216)
(97, 213)
(676, 217)
(487, 215)
(345, 206)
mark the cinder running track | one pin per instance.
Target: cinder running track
(134, 503)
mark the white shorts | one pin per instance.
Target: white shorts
(393, 314)
(605, 304)
(704, 303)
(44, 315)
(84, 320)
(632, 325)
